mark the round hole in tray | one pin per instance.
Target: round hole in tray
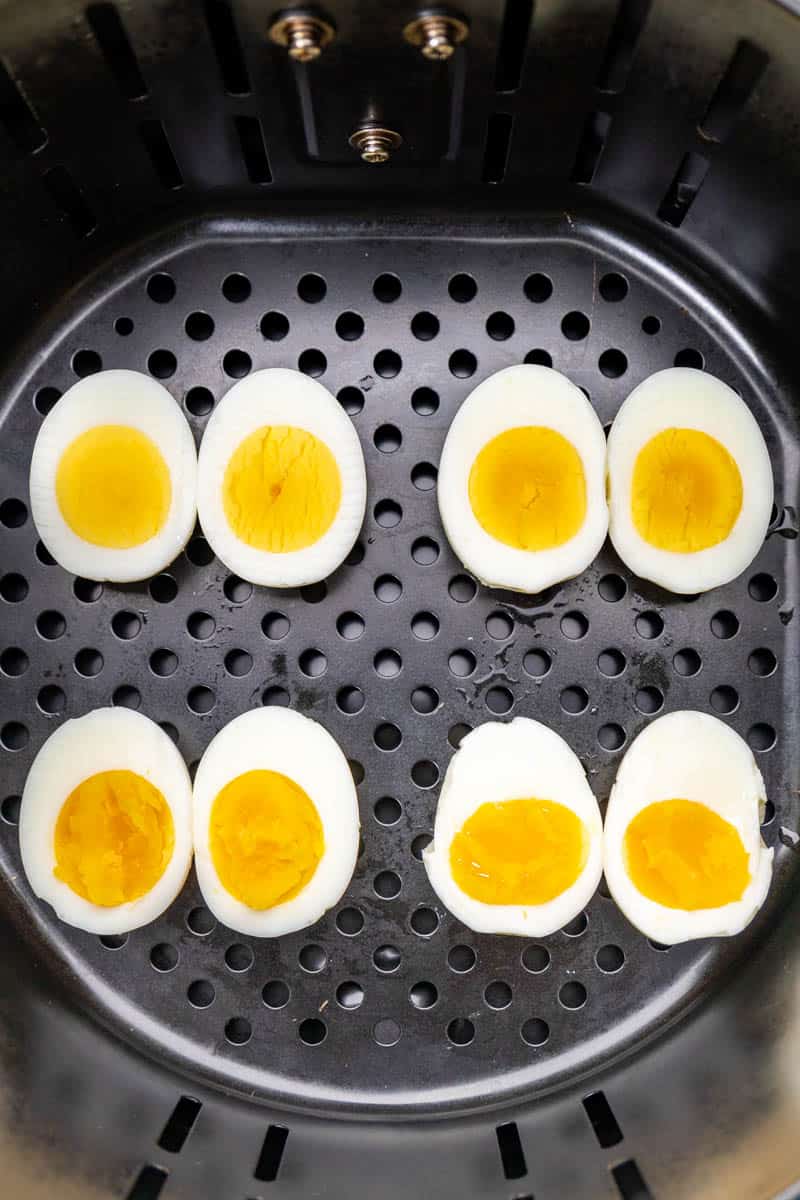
(535, 1031)
(462, 288)
(276, 993)
(350, 995)
(423, 994)
(461, 1031)
(424, 401)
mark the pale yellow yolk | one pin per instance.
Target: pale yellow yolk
(519, 852)
(114, 838)
(113, 487)
(683, 855)
(282, 489)
(686, 492)
(527, 488)
(265, 837)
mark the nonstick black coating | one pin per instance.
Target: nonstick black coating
(388, 1002)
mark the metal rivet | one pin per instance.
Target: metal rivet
(305, 34)
(374, 143)
(436, 33)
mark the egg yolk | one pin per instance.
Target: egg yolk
(686, 492)
(684, 855)
(282, 489)
(527, 488)
(113, 838)
(113, 487)
(519, 852)
(265, 838)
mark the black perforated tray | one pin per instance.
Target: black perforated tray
(389, 1004)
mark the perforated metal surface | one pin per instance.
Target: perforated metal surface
(389, 1002)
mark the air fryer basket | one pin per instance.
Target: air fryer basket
(607, 187)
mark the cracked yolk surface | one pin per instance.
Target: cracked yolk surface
(113, 487)
(524, 851)
(527, 488)
(686, 492)
(682, 854)
(113, 838)
(265, 837)
(282, 489)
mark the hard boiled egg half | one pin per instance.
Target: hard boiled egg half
(522, 480)
(683, 852)
(105, 824)
(517, 842)
(690, 481)
(276, 822)
(113, 478)
(281, 487)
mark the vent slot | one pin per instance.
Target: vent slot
(498, 145)
(254, 152)
(269, 1160)
(227, 47)
(148, 1184)
(623, 40)
(629, 1181)
(512, 1155)
(513, 44)
(684, 188)
(590, 147)
(603, 1122)
(180, 1124)
(70, 199)
(110, 35)
(17, 117)
(157, 146)
(733, 91)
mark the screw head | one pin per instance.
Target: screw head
(375, 144)
(303, 34)
(436, 34)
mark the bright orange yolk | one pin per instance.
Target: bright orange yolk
(519, 852)
(114, 838)
(265, 837)
(113, 487)
(527, 488)
(686, 492)
(683, 855)
(282, 489)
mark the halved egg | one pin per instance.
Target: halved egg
(276, 822)
(517, 841)
(522, 480)
(113, 478)
(683, 852)
(281, 486)
(690, 481)
(105, 826)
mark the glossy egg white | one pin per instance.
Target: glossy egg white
(278, 396)
(688, 756)
(278, 739)
(497, 762)
(684, 398)
(520, 396)
(107, 739)
(115, 397)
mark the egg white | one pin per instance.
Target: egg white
(107, 739)
(684, 398)
(115, 398)
(497, 762)
(278, 396)
(519, 396)
(278, 739)
(688, 756)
